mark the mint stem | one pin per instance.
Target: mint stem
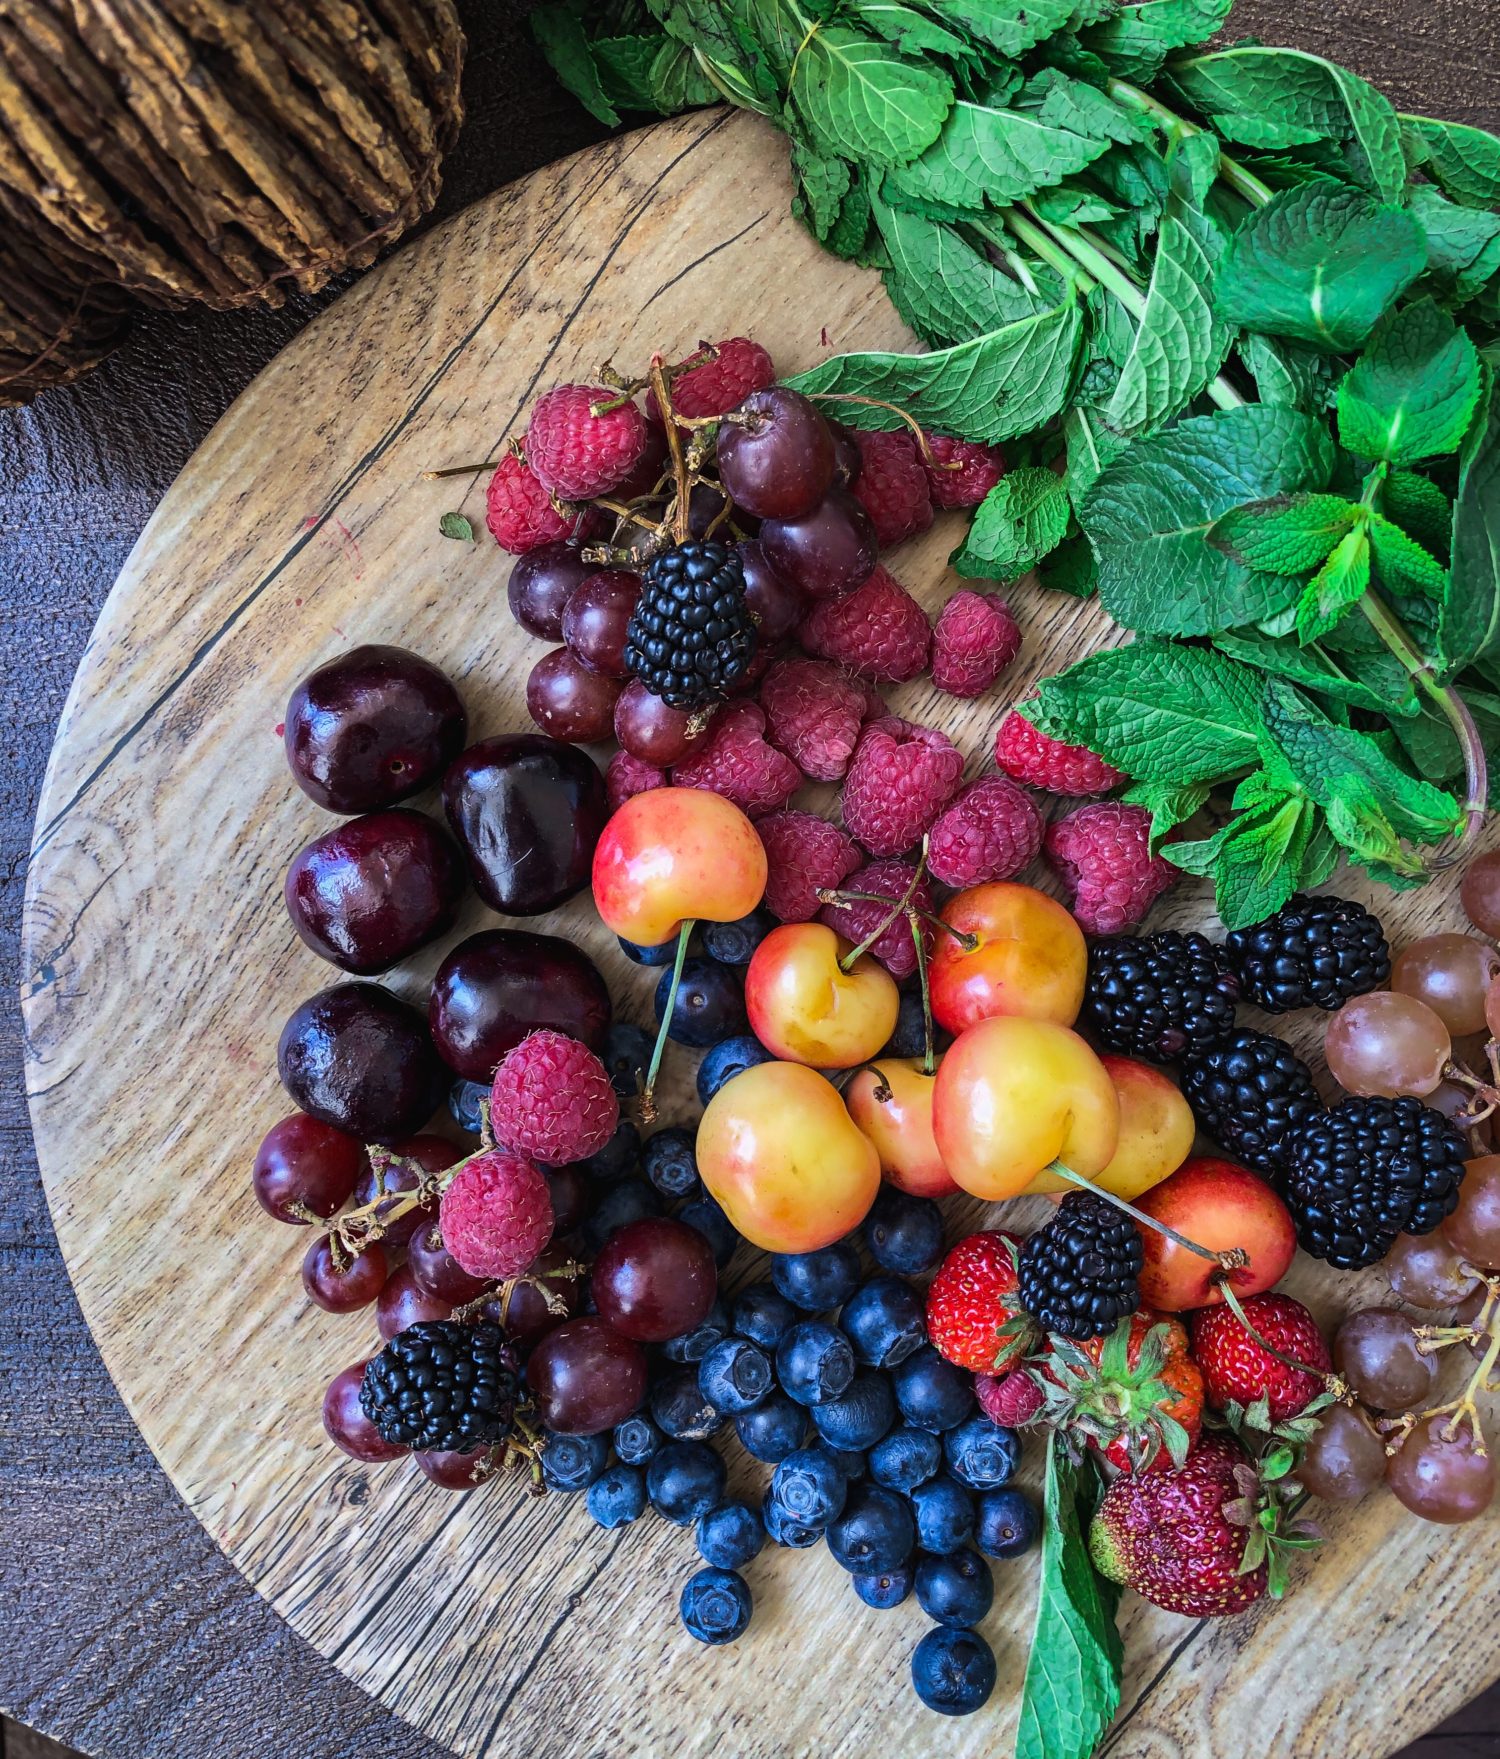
(1239, 177)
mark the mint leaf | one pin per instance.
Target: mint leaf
(624, 67)
(1149, 515)
(1322, 263)
(860, 98)
(1091, 446)
(1420, 508)
(992, 155)
(1071, 568)
(1069, 103)
(1463, 244)
(1259, 858)
(823, 184)
(1342, 581)
(1412, 393)
(456, 525)
(1376, 681)
(1021, 519)
(1072, 1686)
(561, 39)
(1134, 43)
(1289, 374)
(1011, 26)
(1287, 535)
(677, 82)
(1169, 803)
(1465, 160)
(1402, 567)
(1469, 622)
(942, 287)
(909, 30)
(1180, 344)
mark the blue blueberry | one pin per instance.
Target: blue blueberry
(904, 1234)
(763, 1315)
(817, 1282)
(637, 1439)
(885, 1320)
(851, 1461)
(710, 1003)
(679, 1409)
(618, 1158)
(982, 1454)
(726, 1060)
(464, 1098)
(860, 1415)
(710, 1221)
(626, 1056)
(663, 954)
(773, 1429)
(572, 1462)
(733, 943)
(629, 1201)
(910, 1037)
(1006, 1523)
(953, 1671)
(730, 1535)
(809, 1485)
(905, 1458)
(694, 1345)
(685, 1480)
(957, 1589)
(716, 1605)
(944, 1511)
(931, 1393)
(783, 1529)
(814, 1362)
(884, 1588)
(873, 1532)
(671, 1162)
(735, 1375)
(618, 1496)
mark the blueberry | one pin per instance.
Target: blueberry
(619, 1157)
(783, 1529)
(679, 1409)
(732, 943)
(955, 1590)
(773, 1429)
(884, 1588)
(953, 1671)
(572, 1462)
(710, 1003)
(730, 1535)
(618, 1496)
(904, 1234)
(851, 1461)
(463, 1104)
(694, 1345)
(1006, 1523)
(860, 1415)
(814, 1362)
(905, 1458)
(637, 1439)
(629, 1201)
(809, 1486)
(663, 954)
(931, 1393)
(685, 1480)
(671, 1163)
(735, 1375)
(945, 1514)
(763, 1315)
(981, 1453)
(817, 1282)
(726, 1060)
(626, 1054)
(716, 1605)
(710, 1221)
(885, 1320)
(910, 1037)
(874, 1531)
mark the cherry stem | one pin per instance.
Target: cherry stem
(903, 906)
(929, 1055)
(1331, 1383)
(1236, 1258)
(929, 457)
(648, 1097)
(832, 895)
(679, 463)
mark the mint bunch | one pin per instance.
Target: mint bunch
(1236, 321)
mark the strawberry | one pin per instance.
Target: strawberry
(1135, 1396)
(972, 1314)
(1237, 1367)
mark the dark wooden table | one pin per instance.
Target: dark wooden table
(123, 1630)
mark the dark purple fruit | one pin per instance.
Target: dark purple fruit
(367, 893)
(776, 605)
(777, 462)
(360, 1059)
(497, 986)
(542, 582)
(528, 811)
(371, 728)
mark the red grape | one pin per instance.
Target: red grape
(655, 1279)
(1451, 973)
(402, 1304)
(572, 1197)
(348, 1427)
(437, 1272)
(597, 617)
(778, 465)
(569, 701)
(653, 730)
(1441, 1472)
(304, 1161)
(1425, 1270)
(528, 1316)
(1454, 1100)
(542, 582)
(342, 1291)
(648, 469)
(848, 460)
(1480, 892)
(827, 552)
(774, 602)
(453, 1471)
(586, 1377)
(432, 1154)
(1345, 1458)
(1473, 1229)
(1376, 1352)
(1387, 1044)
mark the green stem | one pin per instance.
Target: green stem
(929, 1058)
(1239, 177)
(1234, 1259)
(648, 1102)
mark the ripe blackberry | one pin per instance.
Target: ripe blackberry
(1159, 995)
(438, 1385)
(691, 635)
(1079, 1275)
(1248, 1092)
(1316, 951)
(1367, 1170)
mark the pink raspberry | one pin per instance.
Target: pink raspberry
(892, 486)
(552, 1099)
(901, 778)
(805, 855)
(980, 468)
(895, 949)
(990, 832)
(496, 1215)
(875, 703)
(1012, 1400)
(878, 629)
(519, 511)
(813, 714)
(629, 775)
(719, 385)
(736, 761)
(1103, 853)
(576, 453)
(1030, 755)
(974, 640)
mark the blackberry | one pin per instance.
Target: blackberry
(1316, 951)
(1079, 1275)
(691, 634)
(441, 1385)
(1367, 1170)
(1159, 995)
(1247, 1093)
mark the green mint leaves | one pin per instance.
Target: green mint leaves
(1412, 394)
(862, 98)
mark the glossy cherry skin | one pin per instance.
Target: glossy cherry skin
(542, 582)
(1029, 958)
(361, 1060)
(305, 1162)
(372, 727)
(655, 1279)
(673, 854)
(497, 986)
(528, 812)
(367, 893)
(586, 1377)
(900, 1124)
(1221, 1205)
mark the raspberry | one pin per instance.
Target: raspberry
(901, 778)
(740, 366)
(1030, 755)
(804, 855)
(1011, 1400)
(889, 879)
(552, 1099)
(892, 486)
(1103, 853)
(980, 468)
(878, 629)
(736, 761)
(576, 453)
(990, 832)
(496, 1215)
(629, 775)
(813, 713)
(976, 638)
(519, 511)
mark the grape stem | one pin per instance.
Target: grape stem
(679, 467)
(648, 1096)
(929, 457)
(361, 1227)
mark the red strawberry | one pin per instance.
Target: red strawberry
(972, 1314)
(1238, 1369)
(1135, 1396)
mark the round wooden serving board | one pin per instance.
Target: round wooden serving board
(159, 967)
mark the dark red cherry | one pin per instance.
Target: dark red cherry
(779, 463)
(567, 700)
(542, 582)
(497, 986)
(586, 1377)
(774, 602)
(597, 617)
(360, 1059)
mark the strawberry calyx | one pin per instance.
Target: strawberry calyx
(1267, 1508)
(1119, 1395)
